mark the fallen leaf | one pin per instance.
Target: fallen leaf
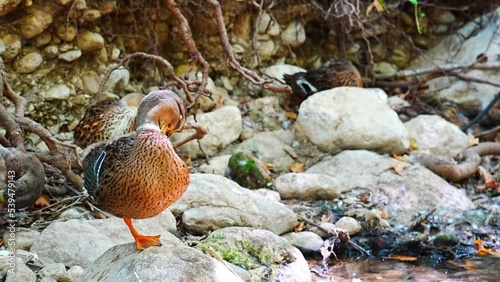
(470, 266)
(478, 243)
(269, 166)
(402, 258)
(42, 201)
(482, 252)
(291, 115)
(473, 141)
(398, 166)
(403, 158)
(488, 178)
(299, 227)
(297, 167)
(413, 145)
(219, 104)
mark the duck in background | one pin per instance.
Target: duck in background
(106, 120)
(335, 73)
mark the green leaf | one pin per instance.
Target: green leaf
(414, 2)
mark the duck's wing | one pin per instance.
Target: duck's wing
(104, 121)
(104, 160)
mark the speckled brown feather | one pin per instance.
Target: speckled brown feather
(106, 120)
(140, 176)
(336, 73)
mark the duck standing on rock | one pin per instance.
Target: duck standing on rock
(140, 176)
(336, 73)
(106, 120)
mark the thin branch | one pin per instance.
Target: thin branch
(442, 69)
(196, 57)
(488, 132)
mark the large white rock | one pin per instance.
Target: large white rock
(213, 201)
(173, 262)
(437, 136)
(351, 118)
(403, 196)
(224, 126)
(307, 186)
(76, 242)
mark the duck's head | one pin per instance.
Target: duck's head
(163, 111)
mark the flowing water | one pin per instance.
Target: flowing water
(475, 269)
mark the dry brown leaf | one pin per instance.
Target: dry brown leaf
(482, 252)
(403, 158)
(297, 167)
(299, 227)
(402, 258)
(42, 201)
(488, 178)
(413, 145)
(478, 243)
(470, 266)
(269, 166)
(473, 141)
(291, 115)
(219, 104)
(398, 166)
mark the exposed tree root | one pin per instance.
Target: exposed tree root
(471, 158)
(231, 60)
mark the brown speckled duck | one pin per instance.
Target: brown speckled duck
(140, 176)
(106, 120)
(336, 73)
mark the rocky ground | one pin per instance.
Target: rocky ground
(276, 194)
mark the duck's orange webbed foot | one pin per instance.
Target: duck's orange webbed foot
(142, 242)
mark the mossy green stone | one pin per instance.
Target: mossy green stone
(248, 172)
